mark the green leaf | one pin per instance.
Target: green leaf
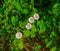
(42, 26)
(55, 11)
(15, 42)
(56, 5)
(25, 11)
(20, 45)
(14, 3)
(46, 40)
(56, 8)
(35, 10)
(27, 33)
(59, 26)
(53, 49)
(33, 29)
(32, 1)
(21, 2)
(14, 49)
(48, 24)
(23, 23)
(49, 44)
(43, 37)
(38, 47)
(33, 35)
(53, 35)
(14, 20)
(17, 5)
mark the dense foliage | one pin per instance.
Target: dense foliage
(44, 34)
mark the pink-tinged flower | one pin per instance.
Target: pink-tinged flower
(28, 26)
(18, 35)
(31, 20)
(36, 16)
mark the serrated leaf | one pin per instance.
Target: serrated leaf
(27, 33)
(33, 35)
(20, 45)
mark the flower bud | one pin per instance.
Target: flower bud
(18, 35)
(28, 26)
(31, 20)
(36, 16)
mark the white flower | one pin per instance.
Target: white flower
(36, 16)
(31, 19)
(28, 26)
(18, 35)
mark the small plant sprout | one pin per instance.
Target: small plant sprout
(18, 35)
(28, 26)
(31, 20)
(36, 16)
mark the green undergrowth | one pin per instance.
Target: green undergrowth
(14, 16)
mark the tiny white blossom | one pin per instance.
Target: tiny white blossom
(36, 16)
(28, 26)
(18, 35)
(31, 20)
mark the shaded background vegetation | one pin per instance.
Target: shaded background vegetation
(44, 34)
